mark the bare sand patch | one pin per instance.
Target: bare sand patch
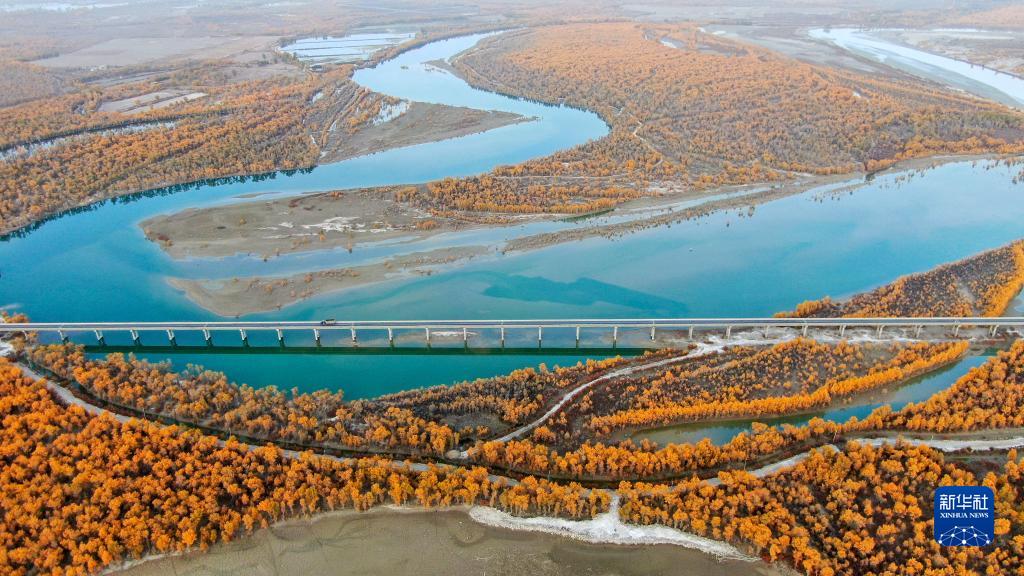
(151, 101)
(240, 296)
(135, 51)
(297, 224)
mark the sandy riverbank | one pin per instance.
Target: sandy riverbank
(996, 49)
(793, 41)
(239, 296)
(390, 542)
(350, 218)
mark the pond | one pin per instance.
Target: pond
(348, 48)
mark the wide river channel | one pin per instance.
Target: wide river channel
(96, 264)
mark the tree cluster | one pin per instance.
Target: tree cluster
(207, 399)
(861, 510)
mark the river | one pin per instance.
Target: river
(985, 82)
(916, 390)
(96, 265)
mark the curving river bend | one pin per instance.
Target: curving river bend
(837, 239)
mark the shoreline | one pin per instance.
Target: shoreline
(467, 528)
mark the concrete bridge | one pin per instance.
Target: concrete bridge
(641, 332)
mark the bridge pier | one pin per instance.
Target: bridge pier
(689, 334)
(465, 335)
(245, 337)
(917, 331)
(135, 336)
(353, 334)
(956, 331)
(99, 336)
(652, 333)
(540, 335)
(280, 337)
(207, 337)
(503, 337)
(316, 336)
(992, 333)
(615, 336)
(728, 332)
(391, 337)
(803, 331)
(428, 335)
(842, 330)
(577, 336)
(63, 336)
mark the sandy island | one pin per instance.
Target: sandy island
(240, 296)
(304, 223)
(417, 123)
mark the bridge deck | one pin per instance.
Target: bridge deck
(668, 323)
(589, 332)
